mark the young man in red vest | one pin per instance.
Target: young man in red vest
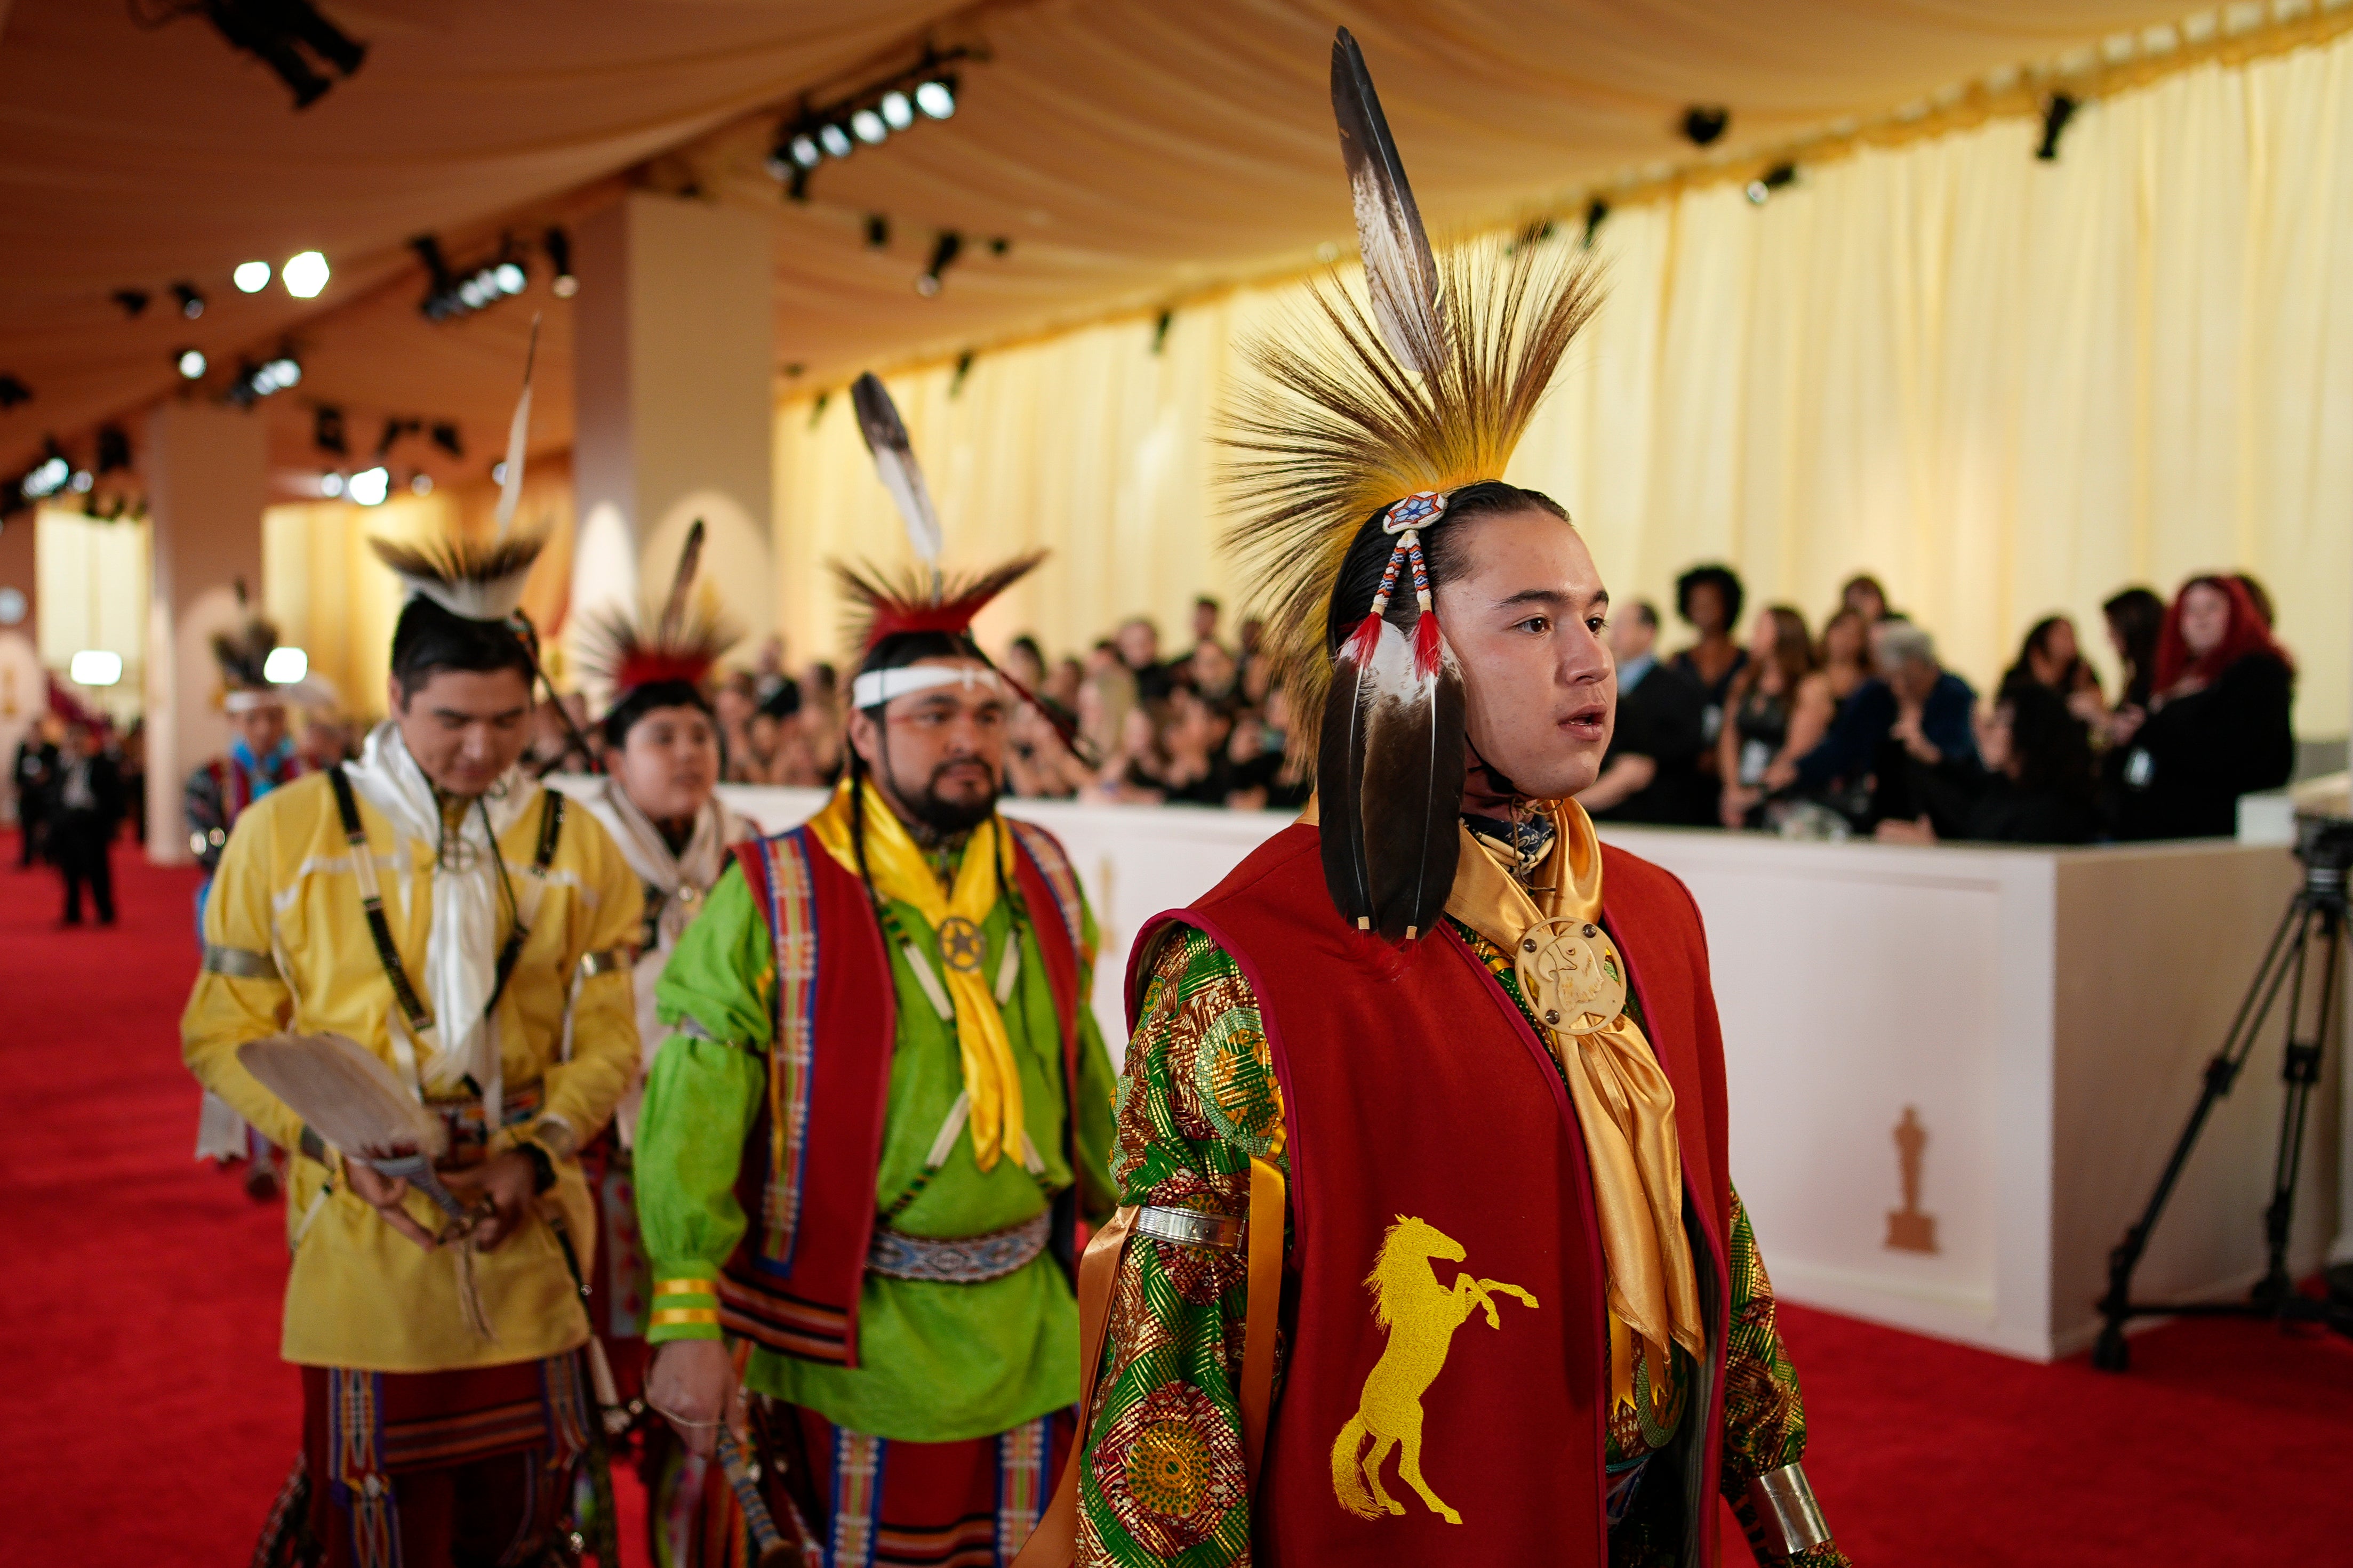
(1433, 1255)
(881, 1111)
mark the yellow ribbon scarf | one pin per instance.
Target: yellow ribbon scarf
(902, 873)
(1624, 1103)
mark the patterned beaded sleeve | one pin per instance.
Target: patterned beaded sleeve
(1764, 1413)
(1161, 1476)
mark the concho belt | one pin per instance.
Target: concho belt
(958, 1261)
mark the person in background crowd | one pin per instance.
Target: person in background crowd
(1266, 776)
(1912, 711)
(1138, 642)
(85, 807)
(1063, 685)
(734, 706)
(1206, 611)
(131, 755)
(2134, 618)
(2218, 724)
(2035, 786)
(2049, 657)
(821, 720)
(1106, 697)
(323, 740)
(1863, 595)
(1210, 670)
(1845, 653)
(1709, 599)
(556, 746)
(1651, 772)
(1025, 661)
(1196, 769)
(1780, 710)
(1131, 773)
(36, 775)
(768, 677)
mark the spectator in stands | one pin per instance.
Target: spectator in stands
(1708, 598)
(1845, 654)
(1651, 772)
(1063, 685)
(2035, 786)
(2218, 724)
(1863, 595)
(1206, 611)
(2049, 657)
(1210, 670)
(1266, 776)
(1138, 642)
(1106, 699)
(1780, 710)
(1912, 713)
(1196, 767)
(735, 705)
(768, 677)
(821, 720)
(34, 776)
(85, 807)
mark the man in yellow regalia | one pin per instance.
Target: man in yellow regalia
(436, 906)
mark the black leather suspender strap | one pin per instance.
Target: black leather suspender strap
(551, 831)
(371, 903)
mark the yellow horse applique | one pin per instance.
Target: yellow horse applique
(1422, 1316)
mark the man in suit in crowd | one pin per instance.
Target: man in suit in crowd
(1651, 770)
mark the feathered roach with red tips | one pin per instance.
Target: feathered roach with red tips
(683, 643)
(921, 600)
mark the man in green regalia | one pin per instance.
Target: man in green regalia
(881, 1105)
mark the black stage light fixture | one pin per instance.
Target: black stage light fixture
(944, 254)
(290, 36)
(133, 301)
(327, 430)
(2055, 115)
(1703, 123)
(878, 231)
(113, 449)
(999, 245)
(557, 245)
(13, 392)
(1762, 187)
(440, 287)
(1597, 211)
(963, 369)
(192, 304)
(394, 428)
(444, 435)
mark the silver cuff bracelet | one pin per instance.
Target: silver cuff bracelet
(1780, 1514)
(1188, 1227)
(238, 963)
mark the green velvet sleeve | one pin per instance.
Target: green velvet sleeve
(1096, 1089)
(703, 1094)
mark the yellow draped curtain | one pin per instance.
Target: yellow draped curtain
(2007, 386)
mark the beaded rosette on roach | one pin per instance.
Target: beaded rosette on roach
(1369, 415)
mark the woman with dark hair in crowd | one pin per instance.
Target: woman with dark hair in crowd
(2218, 721)
(2035, 786)
(1776, 711)
(2050, 657)
(1845, 657)
(1863, 595)
(2136, 618)
(1708, 598)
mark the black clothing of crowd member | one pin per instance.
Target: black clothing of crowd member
(1651, 772)
(36, 772)
(1709, 599)
(84, 809)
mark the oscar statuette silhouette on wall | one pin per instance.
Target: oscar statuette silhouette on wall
(1909, 1230)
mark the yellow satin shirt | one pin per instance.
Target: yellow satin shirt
(360, 1294)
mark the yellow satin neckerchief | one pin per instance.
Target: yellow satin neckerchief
(901, 872)
(1624, 1103)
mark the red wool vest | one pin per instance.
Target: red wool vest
(807, 1181)
(1435, 1160)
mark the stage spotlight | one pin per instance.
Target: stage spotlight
(868, 127)
(304, 274)
(445, 436)
(13, 392)
(330, 485)
(944, 254)
(499, 472)
(133, 301)
(250, 276)
(287, 36)
(1703, 123)
(285, 666)
(878, 231)
(95, 667)
(2055, 115)
(48, 477)
(512, 276)
(191, 363)
(936, 98)
(835, 141)
(804, 152)
(897, 109)
(369, 487)
(421, 483)
(285, 369)
(192, 304)
(1763, 187)
(82, 482)
(327, 430)
(113, 449)
(558, 245)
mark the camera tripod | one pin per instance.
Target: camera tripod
(2316, 918)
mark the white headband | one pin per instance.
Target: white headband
(877, 687)
(246, 701)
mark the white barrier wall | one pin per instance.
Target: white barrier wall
(2045, 1015)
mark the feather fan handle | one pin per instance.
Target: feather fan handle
(518, 438)
(1400, 274)
(681, 584)
(894, 462)
(347, 1096)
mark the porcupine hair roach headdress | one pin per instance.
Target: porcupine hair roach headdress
(920, 613)
(662, 660)
(1373, 419)
(243, 656)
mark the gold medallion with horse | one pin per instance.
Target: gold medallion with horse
(961, 945)
(1571, 975)
(1420, 1315)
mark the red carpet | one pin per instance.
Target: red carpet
(148, 1420)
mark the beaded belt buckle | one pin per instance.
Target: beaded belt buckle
(958, 1261)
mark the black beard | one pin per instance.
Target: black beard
(944, 818)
